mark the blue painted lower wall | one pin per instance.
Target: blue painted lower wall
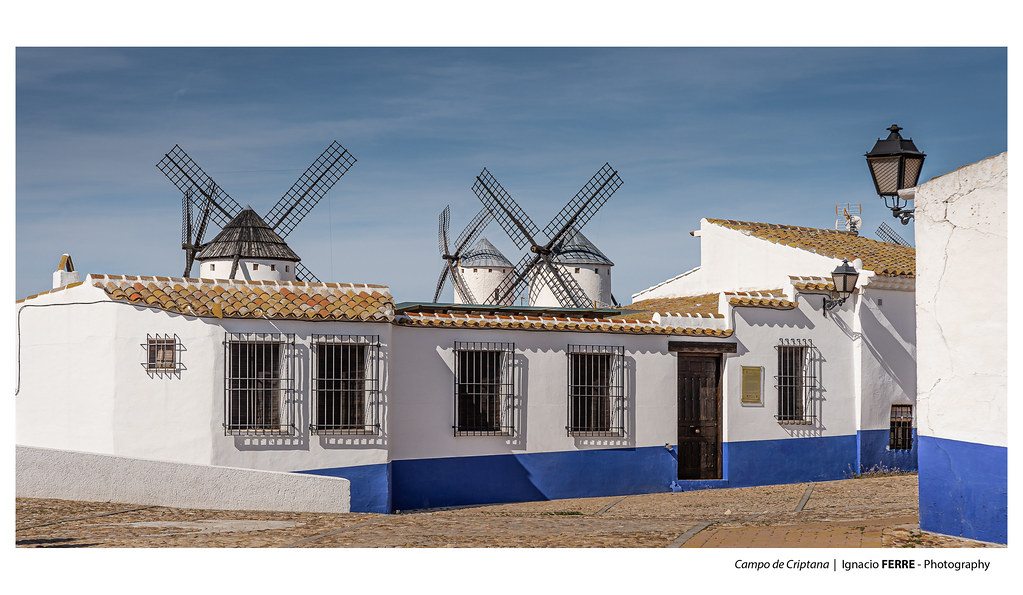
(791, 460)
(964, 489)
(370, 484)
(429, 483)
(875, 454)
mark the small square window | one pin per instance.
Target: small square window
(213, 267)
(273, 267)
(577, 269)
(161, 353)
(901, 429)
(255, 267)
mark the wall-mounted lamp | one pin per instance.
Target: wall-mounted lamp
(844, 277)
(895, 164)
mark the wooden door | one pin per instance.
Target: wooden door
(699, 413)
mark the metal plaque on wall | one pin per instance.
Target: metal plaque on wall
(751, 381)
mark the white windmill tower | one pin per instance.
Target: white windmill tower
(576, 257)
(483, 269)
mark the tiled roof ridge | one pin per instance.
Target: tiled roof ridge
(606, 325)
(786, 226)
(757, 293)
(773, 303)
(252, 299)
(112, 277)
(54, 290)
(884, 258)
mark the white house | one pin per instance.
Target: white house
(735, 378)
(962, 301)
(854, 365)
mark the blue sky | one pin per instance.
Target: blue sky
(762, 134)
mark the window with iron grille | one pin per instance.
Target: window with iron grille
(259, 384)
(162, 353)
(596, 393)
(345, 384)
(901, 432)
(796, 381)
(484, 388)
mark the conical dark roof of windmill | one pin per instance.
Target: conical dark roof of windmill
(575, 248)
(484, 254)
(248, 236)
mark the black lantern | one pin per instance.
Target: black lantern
(895, 164)
(844, 277)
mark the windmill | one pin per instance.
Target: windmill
(888, 234)
(541, 265)
(204, 202)
(465, 239)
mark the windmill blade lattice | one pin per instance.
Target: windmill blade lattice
(888, 234)
(304, 274)
(443, 223)
(190, 178)
(199, 193)
(515, 222)
(310, 187)
(585, 204)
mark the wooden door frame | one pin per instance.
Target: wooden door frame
(718, 356)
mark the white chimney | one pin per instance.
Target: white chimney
(65, 272)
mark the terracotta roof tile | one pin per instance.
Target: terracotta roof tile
(884, 258)
(252, 299)
(547, 323)
(693, 305)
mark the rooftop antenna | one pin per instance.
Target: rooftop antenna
(203, 201)
(522, 231)
(888, 234)
(849, 216)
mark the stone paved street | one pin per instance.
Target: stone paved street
(871, 512)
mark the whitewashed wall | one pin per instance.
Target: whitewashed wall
(733, 261)
(68, 475)
(961, 236)
(759, 331)
(886, 354)
(423, 393)
(82, 387)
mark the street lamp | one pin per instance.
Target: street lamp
(844, 278)
(895, 164)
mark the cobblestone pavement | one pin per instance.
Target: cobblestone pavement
(871, 512)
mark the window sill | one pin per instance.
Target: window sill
(482, 433)
(794, 422)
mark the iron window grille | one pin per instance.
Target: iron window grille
(901, 429)
(796, 381)
(596, 390)
(484, 388)
(259, 384)
(162, 354)
(345, 373)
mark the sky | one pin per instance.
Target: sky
(772, 134)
